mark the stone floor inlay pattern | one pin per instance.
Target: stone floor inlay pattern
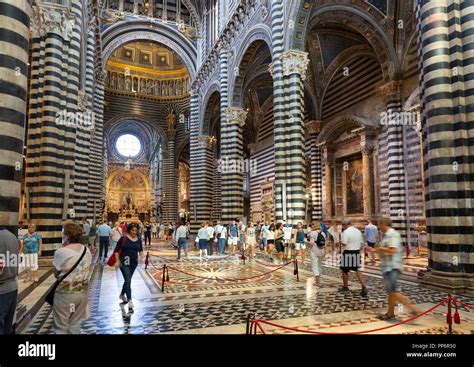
(210, 298)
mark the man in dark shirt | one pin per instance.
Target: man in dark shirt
(9, 261)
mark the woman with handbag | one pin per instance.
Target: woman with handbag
(71, 266)
(127, 252)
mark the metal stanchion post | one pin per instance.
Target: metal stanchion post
(163, 279)
(250, 317)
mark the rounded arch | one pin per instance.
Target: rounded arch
(363, 23)
(122, 171)
(254, 38)
(146, 122)
(209, 107)
(123, 32)
(413, 101)
(335, 127)
(182, 145)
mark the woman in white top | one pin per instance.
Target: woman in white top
(116, 234)
(270, 241)
(250, 239)
(317, 252)
(203, 237)
(71, 297)
(154, 230)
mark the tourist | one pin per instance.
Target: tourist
(104, 232)
(93, 234)
(140, 230)
(299, 243)
(270, 239)
(22, 231)
(371, 234)
(324, 228)
(147, 232)
(202, 237)
(130, 248)
(352, 241)
(391, 258)
(116, 234)
(86, 230)
(233, 233)
(251, 240)
(181, 237)
(170, 230)
(162, 231)
(279, 243)
(221, 234)
(334, 235)
(71, 297)
(210, 236)
(242, 228)
(263, 236)
(317, 243)
(154, 230)
(9, 248)
(123, 227)
(287, 231)
(32, 246)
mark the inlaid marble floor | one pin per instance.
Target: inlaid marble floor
(216, 296)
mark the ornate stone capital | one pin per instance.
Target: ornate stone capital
(50, 18)
(236, 115)
(391, 91)
(313, 126)
(171, 133)
(270, 70)
(206, 141)
(295, 62)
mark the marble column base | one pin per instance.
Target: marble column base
(454, 283)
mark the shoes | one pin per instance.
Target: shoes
(386, 317)
(130, 306)
(344, 290)
(364, 292)
(123, 298)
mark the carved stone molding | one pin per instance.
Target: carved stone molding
(171, 133)
(295, 62)
(82, 101)
(236, 115)
(270, 70)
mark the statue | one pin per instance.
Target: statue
(171, 120)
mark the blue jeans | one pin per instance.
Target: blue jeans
(7, 311)
(221, 245)
(127, 272)
(182, 243)
(104, 246)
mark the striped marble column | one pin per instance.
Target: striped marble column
(201, 171)
(447, 101)
(52, 125)
(96, 169)
(393, 155)
(14, 38)
(276, 69)
(170, 175)
(314, 128)
(231, 164)
(294, 72)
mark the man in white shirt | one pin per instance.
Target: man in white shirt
(221, 234)
(210, 241)
(352, 241)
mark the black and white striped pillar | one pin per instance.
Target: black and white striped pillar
(447, 106)
(294, 72)
(14, 40)
(232, 163)
(276, 69)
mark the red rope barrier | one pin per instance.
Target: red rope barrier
(227, 279)
(355, 332)
(462, 303)
(219, 259)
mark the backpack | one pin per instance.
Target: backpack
(320, 241)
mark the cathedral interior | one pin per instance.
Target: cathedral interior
(259, 111)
